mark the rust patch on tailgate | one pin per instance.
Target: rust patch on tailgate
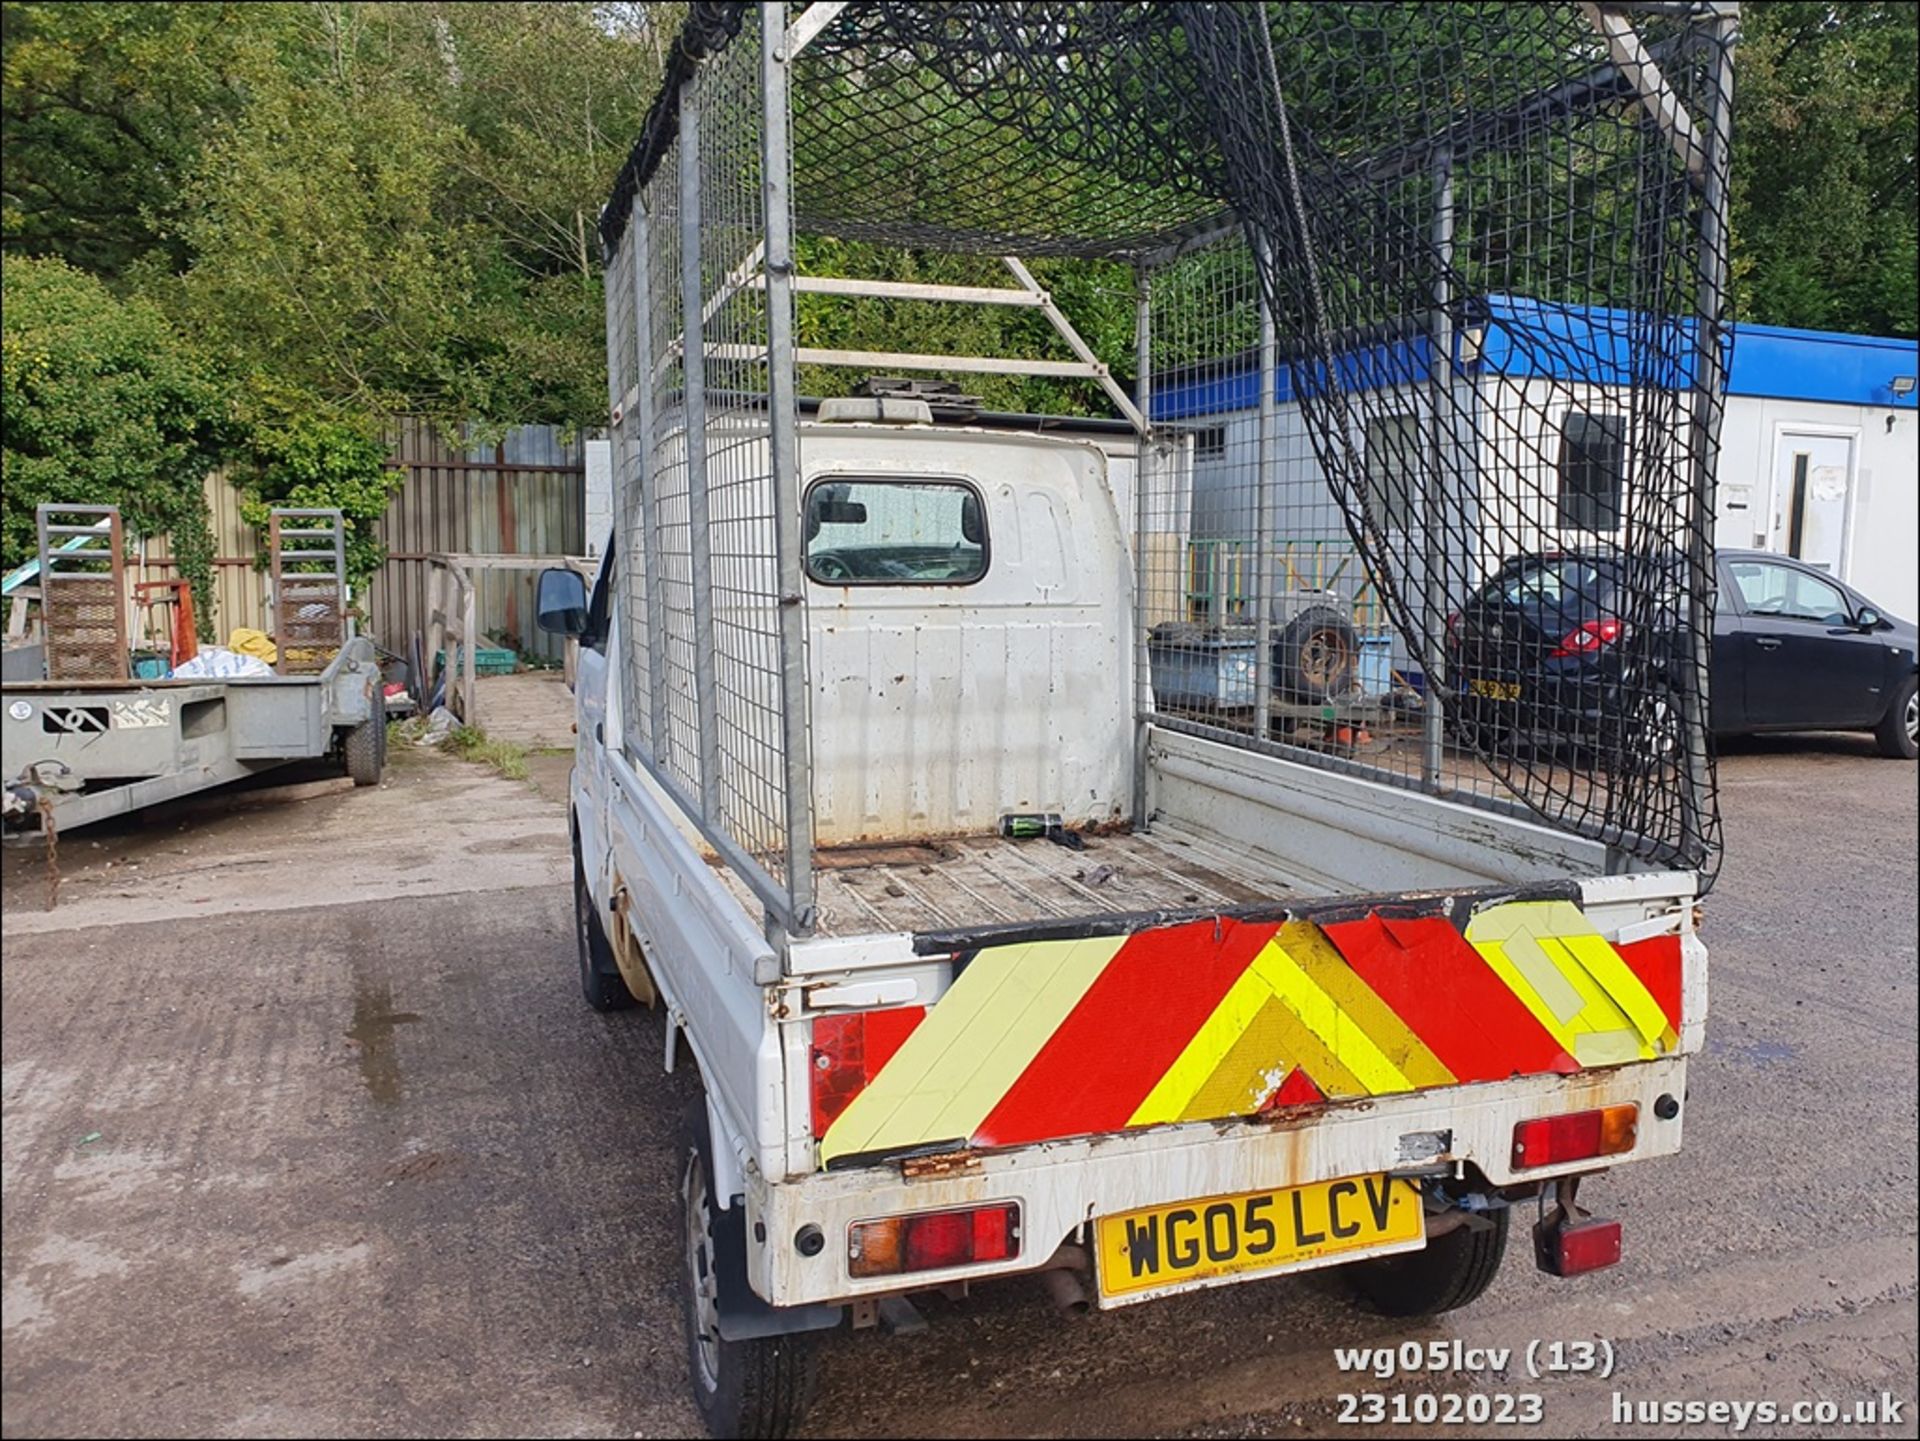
(947, 1163)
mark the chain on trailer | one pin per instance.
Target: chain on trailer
(1419, 308)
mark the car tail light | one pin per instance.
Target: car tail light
(1579, 1136)
(848, 1052)
(1591, 636)
(933, 1240)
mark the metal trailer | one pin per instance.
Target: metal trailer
(91, 741)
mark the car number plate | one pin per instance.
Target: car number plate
(1230, 1237)
(1495, 689)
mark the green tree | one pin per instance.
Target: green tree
(104, 109)
(1824, 202)
(102, 403)
(297, 456)
(402, 216)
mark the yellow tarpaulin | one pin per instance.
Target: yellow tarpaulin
(254, 642)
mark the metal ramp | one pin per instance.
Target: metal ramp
(83, 604)
(308, 549)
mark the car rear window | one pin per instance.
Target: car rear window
(1560, 583)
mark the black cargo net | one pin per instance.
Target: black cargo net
(1432, 360)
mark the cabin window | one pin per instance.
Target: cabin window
(1593, 466)
(1210, 443)
(862, 531)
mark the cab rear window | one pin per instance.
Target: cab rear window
(878, 531)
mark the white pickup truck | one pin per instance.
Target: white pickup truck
(1261, 1017)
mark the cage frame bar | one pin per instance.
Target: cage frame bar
(694, 406)
(640, 228)
(783, 444)
(1266, 453)
(1064, 328)
(1709, 386)
(1642, 72)
(794, 38)
(1433, 599)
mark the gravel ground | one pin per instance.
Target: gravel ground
(307, 1133)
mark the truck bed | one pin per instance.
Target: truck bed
(933, 885)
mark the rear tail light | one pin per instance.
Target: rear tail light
(933, 1240)
(1580, 1136)
(1591, 636)
(848, 1052)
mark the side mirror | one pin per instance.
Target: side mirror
(1869, 618)
(560, 602)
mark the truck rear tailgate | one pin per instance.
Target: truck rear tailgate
(1091, 1068)
(1041, 1036)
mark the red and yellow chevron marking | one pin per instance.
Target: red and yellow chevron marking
(1218, 1018)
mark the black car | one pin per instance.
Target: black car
(1565, 645)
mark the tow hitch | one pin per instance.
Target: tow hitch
(1568, 1241)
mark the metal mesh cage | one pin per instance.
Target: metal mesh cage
(1427, 360)
(706, 701)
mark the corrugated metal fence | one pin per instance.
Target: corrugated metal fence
(521, 496)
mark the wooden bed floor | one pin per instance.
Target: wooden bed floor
(966, 881)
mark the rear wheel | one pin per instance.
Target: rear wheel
(600, 979)
(1450, 1272)
(1655, 736)
(1899, 730)
(761, 1386)
(365, 746)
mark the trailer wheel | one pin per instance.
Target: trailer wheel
(1450, 1272)
(758, 1387)
(1317, 657)
(600, 979)
(365, 746)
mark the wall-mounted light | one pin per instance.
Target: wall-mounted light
(1901, 385)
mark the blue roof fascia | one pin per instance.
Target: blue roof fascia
(1591, 345)
(1523, 338)
(1782, 364)
(1367, 367)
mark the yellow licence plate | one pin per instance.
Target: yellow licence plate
(1195, 1242)
(1495, 689)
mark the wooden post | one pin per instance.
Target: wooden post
(469, 629)
(436, 621)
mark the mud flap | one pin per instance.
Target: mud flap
(744, 1316)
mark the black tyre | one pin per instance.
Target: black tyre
(1896, 732)
(600, 979)
(1317, 657)
(365, 746)
(758, 1387)
(1450, 1272)
(1653, 738)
